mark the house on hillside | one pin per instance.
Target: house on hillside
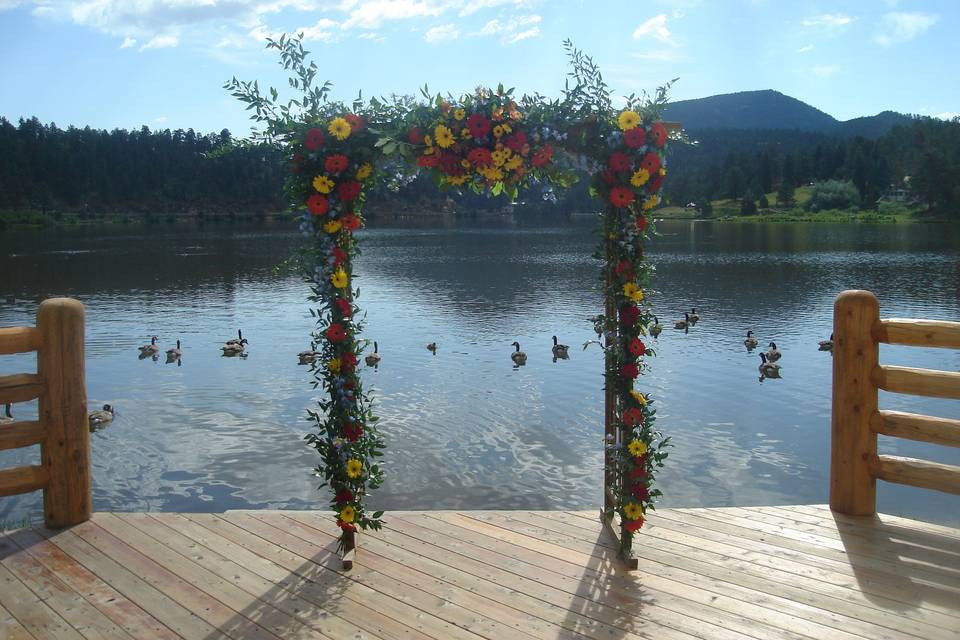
(899, 193)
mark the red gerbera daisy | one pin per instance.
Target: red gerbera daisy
(621, 196)
(517, 141)
(480, 157)
(629, 315)
(641, 492)
(430, 160)
(639, 471)
(450, 163)
(356, 122)
(314, 139)
(344, 307)
(339, 256)
(542, 156)
(630, 370)
(318, 204)
(635, 137)
(336, 332)
(658, 133)
(414, 136)
(620, 161)
(353, 431)
(478, 125)
(349, 527)
(624, 269)
(351, 222)
(632, 416)
(651, 162)
(641, 223)
(654, 185)
(348, 362)
(633, 525)
(344, 495)
(348, 190)
(637, 347)
(336, 163)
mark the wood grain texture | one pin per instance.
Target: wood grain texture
(21, 434)
(19, 340)
(20, 387)
(919, 473)
(22, 480)
(918, 333)
(917, 382)
(913, 426)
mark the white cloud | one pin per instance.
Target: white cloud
(9, 4)
(829, 20)
(128, 42)
(322, 30)
(160, 42)
(899, 27)
(512, 30)
(655, 27)
(825, 70)
(948, 115)
(805, 48)
(372, 35)
(372, 14)
(472, 6)
(161, 119)
(443, 33)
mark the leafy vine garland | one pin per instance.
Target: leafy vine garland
(493, 143)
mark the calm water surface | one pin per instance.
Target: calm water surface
(464, 428)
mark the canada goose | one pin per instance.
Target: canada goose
(306, 357)
(773, 354)
(751, 342)
(432, 348)
(150, 349)
(175, 352)
(560, 350)
(8, 414)
(656, 327)
(235, 348)
(597, 325)
(519, 357)
(694, 316)
(827, 345)
(239, 339)
(373, 359)
(682, 324)
(101, 418)
(768, 369)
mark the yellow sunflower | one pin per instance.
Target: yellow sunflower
(348, 514)
(323, 184)
(491, 173)
(639, 397)
(632, 510)
(459, 114)
(499, 157)
(427, 140)
(498, 131)
(339, 279)
(628, 120)
(633, 292)
(465, 133)
(364, 171)
(354, 468)
(339, 128)
(639, 177)
(637, 448)
(332, 227)
(513, 163)
(651, 202)
(444, 136)
(333, 366)
(457, 180)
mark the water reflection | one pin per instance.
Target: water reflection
(465, 426)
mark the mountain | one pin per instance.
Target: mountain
(770, 109)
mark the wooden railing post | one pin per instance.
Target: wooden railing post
(853, 486)
(67, 499)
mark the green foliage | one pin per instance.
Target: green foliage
(763, 203)
(833, 194)
(747, 206)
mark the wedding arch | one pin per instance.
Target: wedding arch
(494, 143)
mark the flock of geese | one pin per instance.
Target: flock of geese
(769, 360)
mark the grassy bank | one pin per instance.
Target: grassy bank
(10, 219)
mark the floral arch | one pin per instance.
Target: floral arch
(490, 142)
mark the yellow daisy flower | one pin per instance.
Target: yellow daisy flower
(354, 468)
(457, 180)
(465, 133)
(364, 171)
(513, 163)
(323, 184)
(632, 510)
(332, 227)
(443, 135)
(628, 120)
(427, 140)
(339, 128)
(633, 292)
(637, 448)
(348, 514)
(333, 366)
(650, 203)
(639, 397)
(640, 177)
(506, 128)
(491, 173)
(339, 279)
(459, 114)
(499, 157)
(498, 131)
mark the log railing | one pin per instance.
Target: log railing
(856, 419)
(62, 431)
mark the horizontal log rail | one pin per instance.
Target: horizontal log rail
(23, 480)
(913, 426)
(62, 430)
(918, 473)
(19, 340)
(856, 418)
(21, 434)
(917, 382)
(918, 333)
(20, 387)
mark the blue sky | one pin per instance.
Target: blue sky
(125, 63)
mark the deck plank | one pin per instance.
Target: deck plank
(797, 572)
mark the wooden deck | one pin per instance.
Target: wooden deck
(768, 572)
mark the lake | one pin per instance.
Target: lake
(464, 428)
